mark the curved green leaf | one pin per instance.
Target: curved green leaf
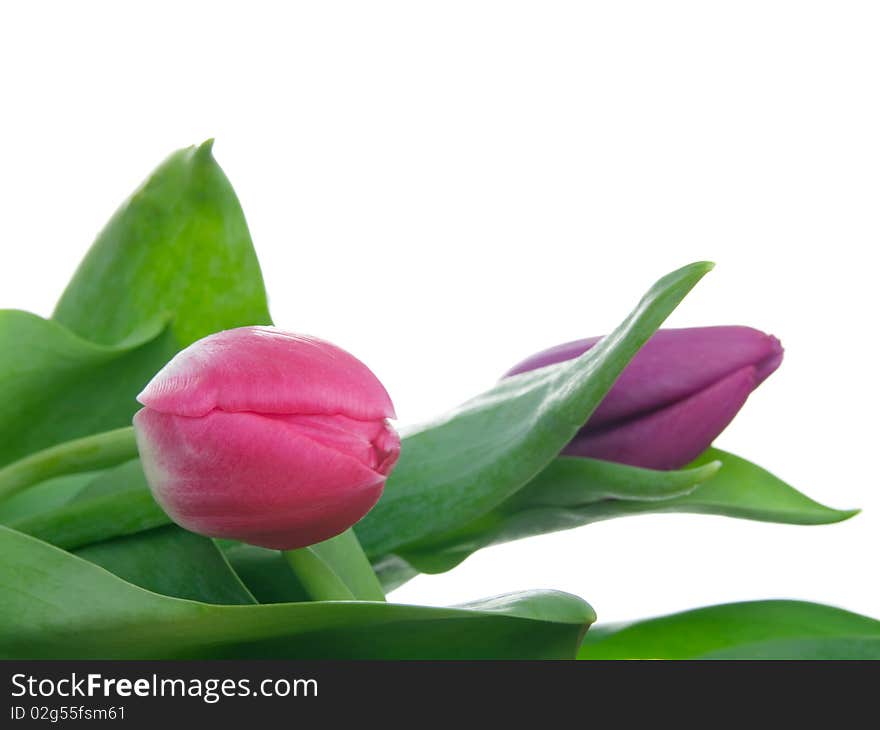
(173, 562)
(742, 489)
(56, 605)
(569, 493)
(43, 497)
(463, 464)
(573, 492)
(569, 481)
(114, 522)
(837, 647)
(751, 630)
(56, 386)
(116, 503)
(266, 574)
(89, 453)
(174, 264)
(179, 247)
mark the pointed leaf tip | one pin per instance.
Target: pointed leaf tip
(204, 151)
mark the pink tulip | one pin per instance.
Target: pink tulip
(271, 438)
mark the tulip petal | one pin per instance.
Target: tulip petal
(266, 370)
(372, 443)
(267, 480)
(672, 365)
(669, 437)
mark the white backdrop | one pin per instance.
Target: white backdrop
(444, 188)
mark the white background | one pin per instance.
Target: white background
(446, 187)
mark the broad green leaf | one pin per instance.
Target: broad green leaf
(56, 605)
(117, 503)
(569, 493)
(751, 630)
(467, 462)
(121, 479)
(266, 574)
(573, 492)
(164, 559)
(56, 386)
(173, 562)
(175, 263)
(739, 489)
(179, 248)
(837, 647)
(43, 497)
(743, 489)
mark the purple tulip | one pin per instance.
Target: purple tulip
(677, 394)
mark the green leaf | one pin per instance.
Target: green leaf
(117, 503)
(266, 574)
(150, 553)
(393, 571)
(178, 248)
(751, 630)
(89, 453)
(572, 480)
(838, 647)
(56, 605)
(175, 263)
(743, 489)
(43, 497)
(121, 479)
(56, 386)
(173, 562)
(569, 493)
(467, 462)
(573, 492)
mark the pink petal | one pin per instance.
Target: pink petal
(266, 370)
(278, 482)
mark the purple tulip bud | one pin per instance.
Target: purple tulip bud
(677, 394)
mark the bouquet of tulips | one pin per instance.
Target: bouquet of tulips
(181, 479)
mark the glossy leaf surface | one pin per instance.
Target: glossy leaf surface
(57, 605)
(750, 630)
(174, 263)
(56, 386)
(171, 561)
(467, 462)
(178, 248)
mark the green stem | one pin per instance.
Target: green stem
(336, 570)
(71, 457)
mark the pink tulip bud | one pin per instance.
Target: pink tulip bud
(267, 437)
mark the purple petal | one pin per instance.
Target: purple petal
(673, 365)
(670, 437)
